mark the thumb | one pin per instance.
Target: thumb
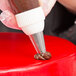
(8, 19)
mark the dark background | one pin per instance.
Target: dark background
(59, 22)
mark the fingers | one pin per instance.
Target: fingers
(47, 5)
(4, 5)
(8, 19)
(70, 5)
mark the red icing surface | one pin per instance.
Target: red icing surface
(17, 57)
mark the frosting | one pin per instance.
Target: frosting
(43, 56)
(19, 6)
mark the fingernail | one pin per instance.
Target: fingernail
(5, 15)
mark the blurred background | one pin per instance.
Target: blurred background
(60, 22)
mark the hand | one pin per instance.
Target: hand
(70, 5)
(7, 17)
(47, 5)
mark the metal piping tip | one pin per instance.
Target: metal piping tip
(38, 42)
